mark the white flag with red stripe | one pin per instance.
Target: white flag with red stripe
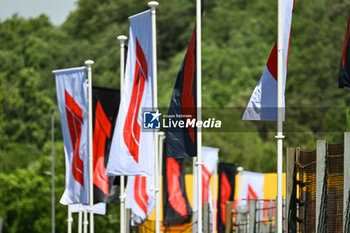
(140, 197)
(132, 150)
(210, 158)
(263, 102)
(73, 108)
(252, 186)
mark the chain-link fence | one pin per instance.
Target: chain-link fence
(307, 191)
(335, 187)
(149, 227)
(258, 216)
(319, 178)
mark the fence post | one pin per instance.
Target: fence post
(297, 159)
(1, 223)
(206, 217)
(252, 215)
(128, 220)
(259, 213)
(276, 203)
(346, 210)
(271, 215)
(284, 217)
(321, 153)
(238, 220)
(228, 225)
(290, 163)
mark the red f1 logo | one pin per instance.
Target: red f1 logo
(132, 128)
(102, 131)
(140, 192)
(75, 120)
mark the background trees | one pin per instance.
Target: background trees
(238, 36)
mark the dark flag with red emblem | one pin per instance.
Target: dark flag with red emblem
(176, 207)
(344, 69)
(181, 142)
(227, 174)
(105, 110)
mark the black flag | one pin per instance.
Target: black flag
(176, 207)
(181, 142)
(227, 174)
(105, 111)
(344, 69)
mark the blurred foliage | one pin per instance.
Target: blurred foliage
(237, 37)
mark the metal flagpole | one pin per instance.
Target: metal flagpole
(194, 197)
(89, 63)
(162, 137)
(161, 143)
(215, 198)
(69, 220)
(80, 218)
(153, 5)
(53, 171)
(280, 112)
(199, 110)
(122, 197)
(86, 222)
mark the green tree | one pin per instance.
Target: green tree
(27, 108)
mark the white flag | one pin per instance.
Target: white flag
(140, 197)
(73, 107)
(263, 102)
(252, 186)
(132, 150)
(98, 208)
(210, 158)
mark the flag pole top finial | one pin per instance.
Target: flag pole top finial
(161, 134)
(89, 62)
(122, 38)
(153, 4)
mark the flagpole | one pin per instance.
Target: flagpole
(161, 149)
(199, 110)
(280, 111)
(194, 174)
(153, 5)
(86, 222)
(215, 197)
(69, 220)
(162, 137)
(122, 196)
(89, 63)
(53, 171)
(80, 218)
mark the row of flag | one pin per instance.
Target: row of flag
(121, 147)
(141, 200)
